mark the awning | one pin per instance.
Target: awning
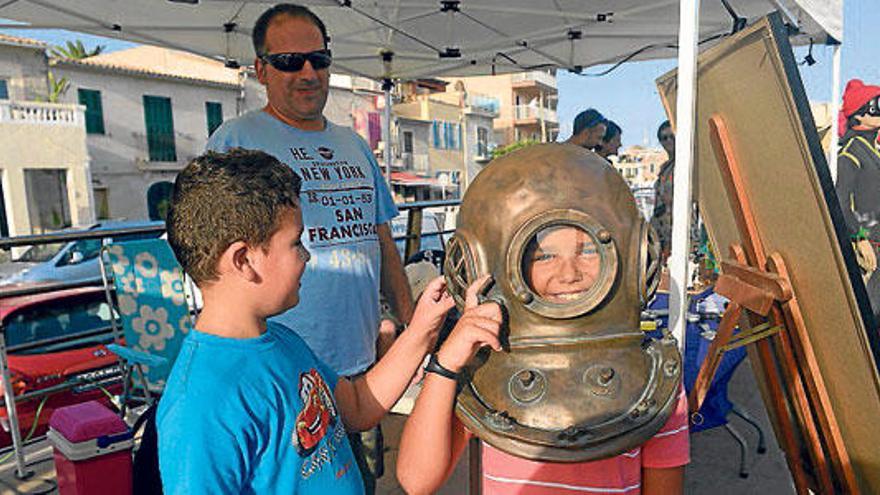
(407, 179)
(430, 37)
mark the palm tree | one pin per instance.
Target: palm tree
(57, 88)
(75, 50)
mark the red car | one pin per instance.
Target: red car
(42, 319)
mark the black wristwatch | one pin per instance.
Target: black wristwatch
(434, 366)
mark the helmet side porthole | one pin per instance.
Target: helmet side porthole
(458, 268)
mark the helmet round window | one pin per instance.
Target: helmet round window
(561, 263)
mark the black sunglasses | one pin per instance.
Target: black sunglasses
(294, 61)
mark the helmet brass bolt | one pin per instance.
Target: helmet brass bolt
(604, 236)
(526, 378)
(525, 297)
(605, 376)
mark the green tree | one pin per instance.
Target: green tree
(57, 88)
(503, 150)
(74, 50)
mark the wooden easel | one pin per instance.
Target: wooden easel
(763, 303)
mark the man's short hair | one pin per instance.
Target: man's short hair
(222, 198)
(289, 9)
(663, 126)
(611, 130)
(586, 119)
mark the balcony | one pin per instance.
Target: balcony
(485, 104)
(32, 112)
(528, 114)
(532, 79)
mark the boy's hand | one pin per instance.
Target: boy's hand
(434, 303)
(479, 326)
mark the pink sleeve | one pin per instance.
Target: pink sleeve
(670, 447)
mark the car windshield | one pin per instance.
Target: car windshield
(55, 319)
(40, 253)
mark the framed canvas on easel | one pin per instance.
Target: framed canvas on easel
(768, 203)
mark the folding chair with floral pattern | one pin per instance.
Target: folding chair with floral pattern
(152, 305)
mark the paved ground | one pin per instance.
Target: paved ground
(714, 469)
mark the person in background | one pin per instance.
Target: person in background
(588, 129)
(661, 220)
(610, 143)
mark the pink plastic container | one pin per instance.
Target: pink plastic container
(92, 450)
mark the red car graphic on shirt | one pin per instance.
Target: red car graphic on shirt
(317, 415)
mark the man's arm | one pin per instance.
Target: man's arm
(394, 284)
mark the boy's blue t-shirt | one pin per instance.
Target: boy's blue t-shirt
(344, 198)
(252, 416)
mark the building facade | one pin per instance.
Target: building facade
(44, 168)
(527, 104)
(151, 110)
(444, 138)
(640, 165)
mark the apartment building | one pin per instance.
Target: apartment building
(44, 167)
(444, 137)
(527, 104)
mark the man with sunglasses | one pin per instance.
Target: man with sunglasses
(346, 204)
(858, 179)
(661, 220)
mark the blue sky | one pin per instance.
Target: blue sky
(628, 95)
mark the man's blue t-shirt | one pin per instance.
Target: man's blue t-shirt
(252, 416)
(344, 198)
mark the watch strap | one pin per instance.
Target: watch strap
(434, 366)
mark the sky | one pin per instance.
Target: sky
(629, 96)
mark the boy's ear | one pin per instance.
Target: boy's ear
(237, 261)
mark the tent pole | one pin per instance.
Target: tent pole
(835, 108)
(689, 22)
(386, 88)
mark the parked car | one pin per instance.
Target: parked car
(72, 261)
(46, 318)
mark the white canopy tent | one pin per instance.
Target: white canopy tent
(429, 38)
(406, 39)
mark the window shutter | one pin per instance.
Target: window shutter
(214, 113)
(91, 99)
(160, 128)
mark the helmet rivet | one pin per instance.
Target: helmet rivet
(604, 236)
(524, 296)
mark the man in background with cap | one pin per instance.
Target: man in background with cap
(858, 178)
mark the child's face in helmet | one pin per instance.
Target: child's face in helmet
(561, 264)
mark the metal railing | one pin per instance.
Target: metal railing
(412, 238)
(536, 76)
(522, 112)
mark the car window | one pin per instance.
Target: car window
(40, 253)
(56, 319)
